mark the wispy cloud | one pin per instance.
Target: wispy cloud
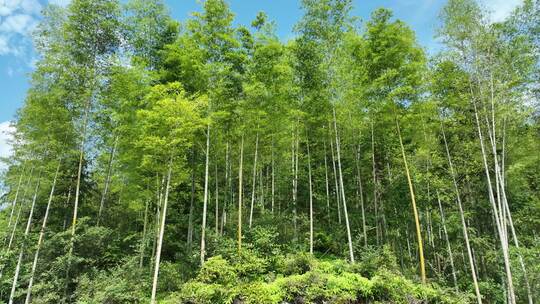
(6, 130)
(8, 7)
(17, 20)
(500, 9)
(63, 3)
(18, 24)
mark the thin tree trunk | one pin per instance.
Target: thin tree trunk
(191, 204)
(498, 221)
(12, 236)
(79, 173)
(360, 189)
(14, 229)
(157, 221)
(107, 180)
(408, 244)
(448, 247)
(41, 236)
(337, 188)
(66, 203)
(273, 177)
(254, 180)
(77, 193)
(310, 200)
(205, 198)
(240, 194)
(509, 215)
(228, 189)
(415, 210)
(262, 184)
(374, 174)
(501, 189)
(345, 213)
(161, 232)
(295, 182)
(292, 166)
(14, 203)
(430, 228)
(143, 242)
(326, 182)
(511, 222)
(217, 200)
(516, 244)
(23, 245)
(462, 216)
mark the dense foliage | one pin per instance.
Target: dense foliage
(202, 162)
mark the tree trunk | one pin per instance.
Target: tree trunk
(326, 183)
(157, 220)
(310, 200)
(254, 180)
(161, 232)
(7, 249)
(14, 203)
(448, 247)
(273, 178)
(296, 149)
(143, 241)
(345, 213)
(462, 216)
(337, 188)
(107, 180)
(79, 173)
(375, 193)
(12, 236)
(41, 236)
(261, 187)
(408, 244)
(240, 194)
(191, 204)
(415, 210)
(228, 189)
(217, 200)
(23, 245)
(361, 190)
(501, 188)
(205, 198)
(498, 221)
(66, 203)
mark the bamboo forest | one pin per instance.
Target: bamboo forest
(207, 161)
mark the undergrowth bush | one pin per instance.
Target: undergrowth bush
(302, 278)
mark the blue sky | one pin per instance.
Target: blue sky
(19, 17)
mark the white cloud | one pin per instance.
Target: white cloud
(4, 47)
(500, 9)
(19, 24)
(17, 20)
(62, 3)
(6, 130)
(8, 7)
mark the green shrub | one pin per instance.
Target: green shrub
(264, 239)
(194, 292)
(301, 278)
(125, 284)
(373, 259)
(217, 270)
(259, 293)
(249, 265)
(295, 264)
